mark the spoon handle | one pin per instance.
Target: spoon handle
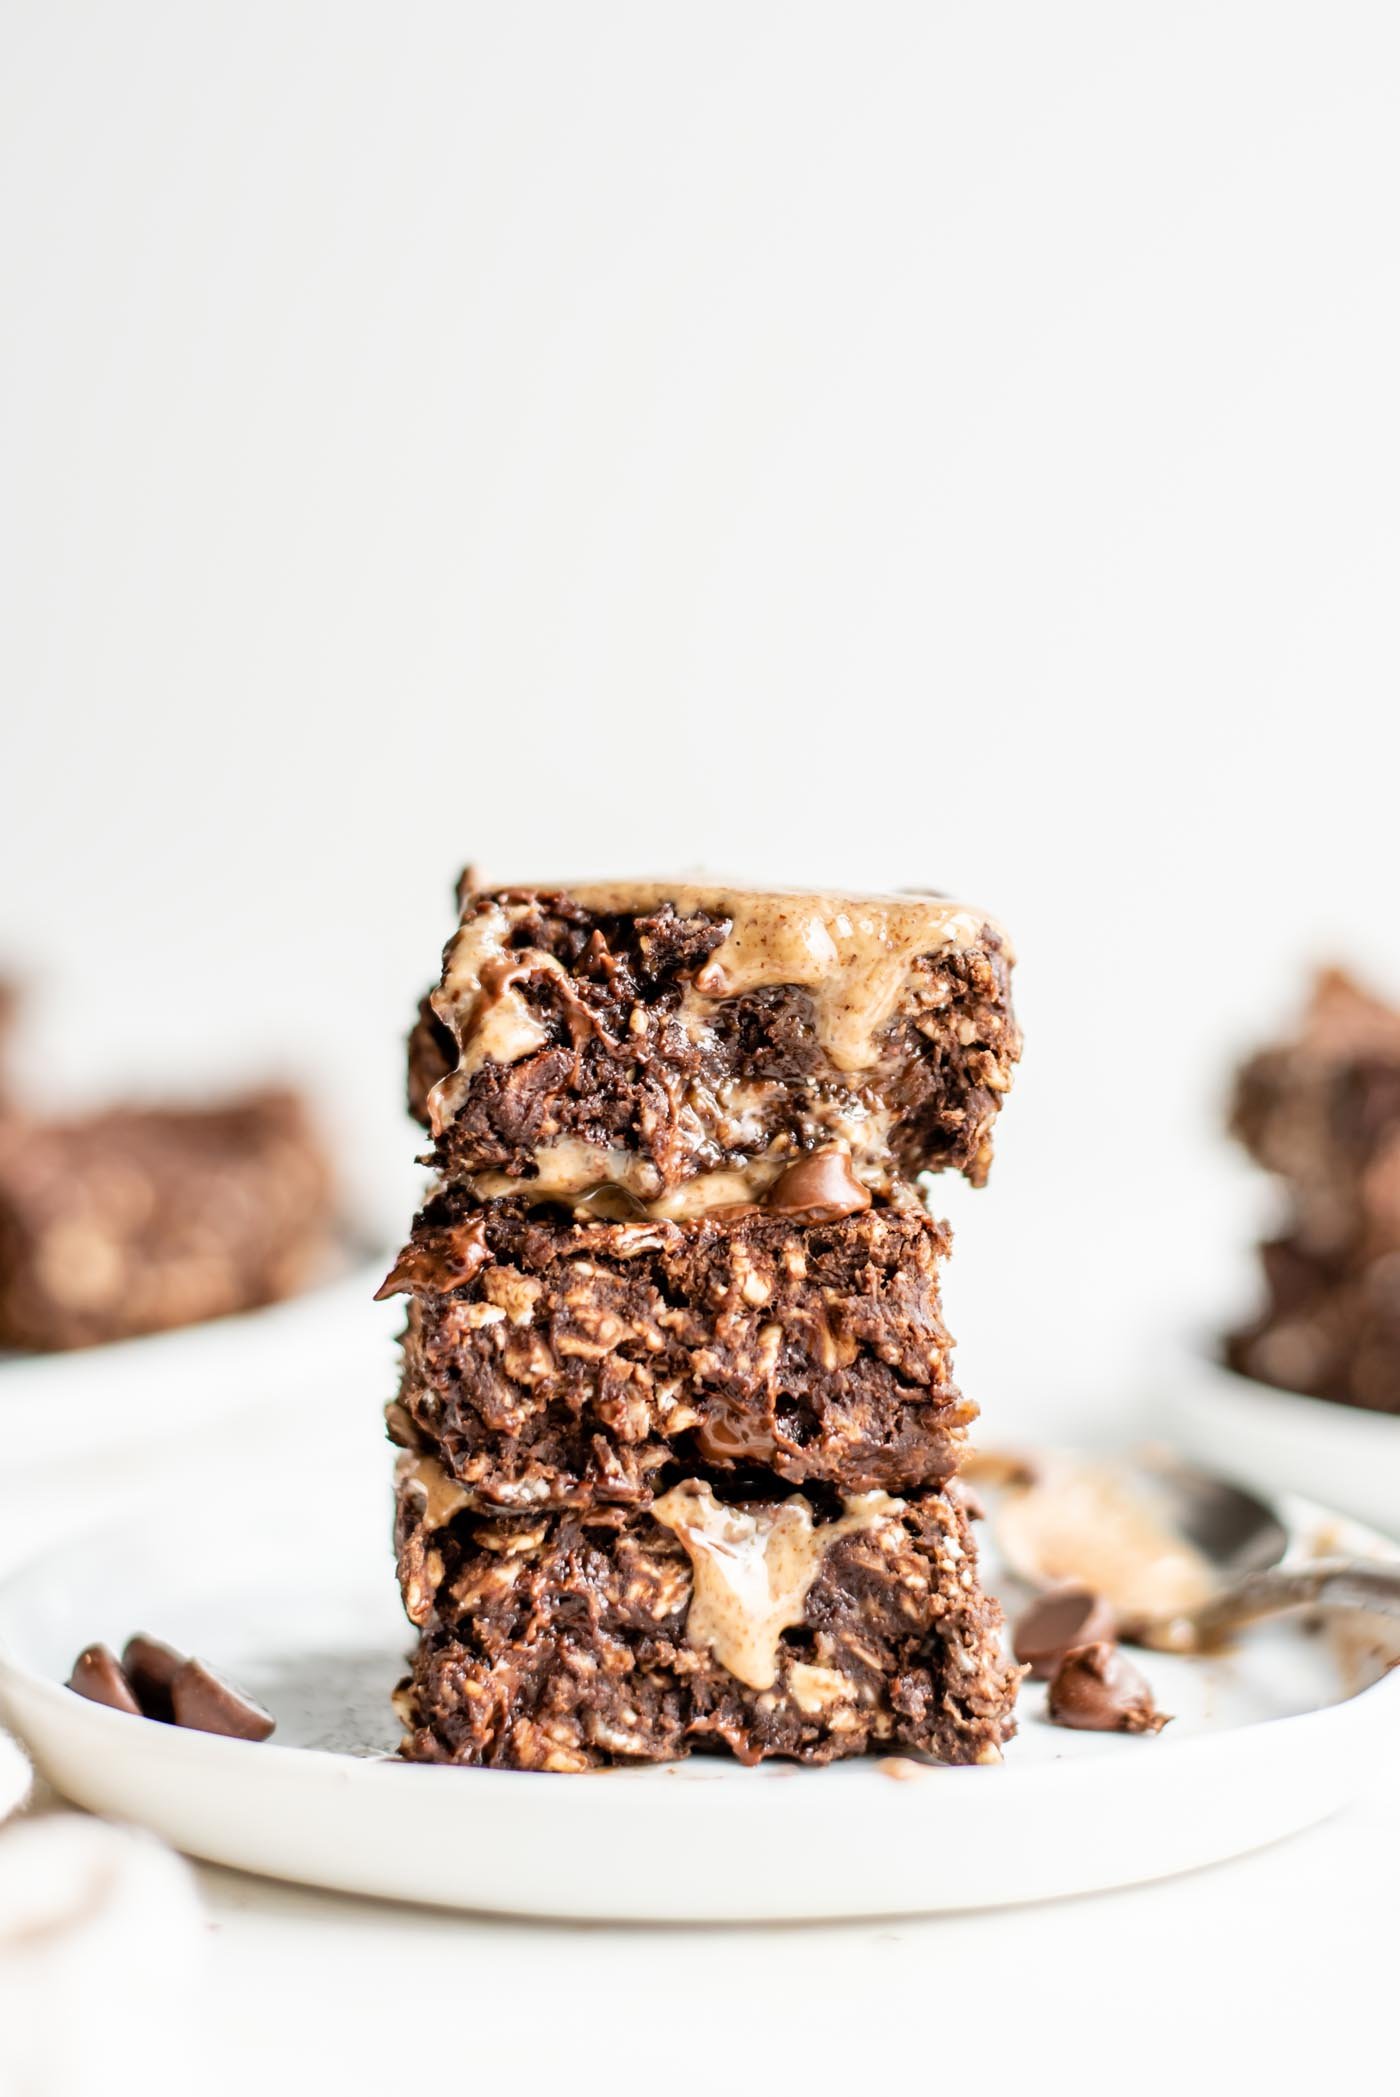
(1327, 1583)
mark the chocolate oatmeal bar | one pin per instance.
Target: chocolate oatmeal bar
(139, 1219)
(674, 1270)
(683, 1041)
(811, 1628)
(551, 1362)
(1323, 1111)
(1329, 1329)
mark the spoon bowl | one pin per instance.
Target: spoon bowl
(1234, 1530)
(1183, 1558)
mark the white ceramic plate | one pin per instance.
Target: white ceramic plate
(1278, 1440)
(57, 1407)
(283, 1575)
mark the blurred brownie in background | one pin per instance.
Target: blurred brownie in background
(137, 1219)
(1322, 1111)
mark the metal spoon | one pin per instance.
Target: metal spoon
(1242, 1539)
(1122, 1525)
(1359, 1584)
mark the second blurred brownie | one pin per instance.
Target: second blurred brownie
(1328, 1330)
(139, 1219)
(1322, 1111)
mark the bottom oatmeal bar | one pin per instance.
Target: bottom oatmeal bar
(812, 1628)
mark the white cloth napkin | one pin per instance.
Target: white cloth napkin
(101, 1937)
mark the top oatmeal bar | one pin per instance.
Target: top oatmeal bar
(676, 1044)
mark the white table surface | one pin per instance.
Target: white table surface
(1275, 1971)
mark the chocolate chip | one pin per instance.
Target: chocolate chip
(817, 1188)
(151, 1666)
(449, 1259)
(1054, 1622)
(734, 1434)
(97, 1675)
(207, 1703)
(1096, 1690)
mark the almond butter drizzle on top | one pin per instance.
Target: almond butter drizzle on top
(853, 954)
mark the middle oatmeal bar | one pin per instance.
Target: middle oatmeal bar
(552, 1362)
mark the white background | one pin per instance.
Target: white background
(884, 443)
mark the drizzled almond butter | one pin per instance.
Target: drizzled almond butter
(854, 955)
(439, 1495)
(753, 1568)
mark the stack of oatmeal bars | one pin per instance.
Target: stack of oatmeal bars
(677, 1422)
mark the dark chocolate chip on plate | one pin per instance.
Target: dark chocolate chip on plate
(1054, 1622)
(206, 1703)
(1096, 1690)
(97, 1675)
(151, 1667)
